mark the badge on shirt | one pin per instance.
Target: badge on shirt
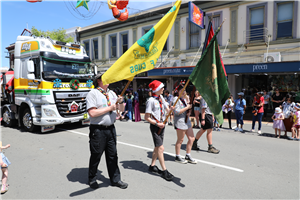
(104, 103)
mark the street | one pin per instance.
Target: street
(54, 165)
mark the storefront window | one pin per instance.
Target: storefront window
(288, 83)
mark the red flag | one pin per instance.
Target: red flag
(209, 35)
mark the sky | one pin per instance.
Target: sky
(50, 15)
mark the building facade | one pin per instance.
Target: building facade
(259, 42)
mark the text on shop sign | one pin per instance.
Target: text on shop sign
(259, 67)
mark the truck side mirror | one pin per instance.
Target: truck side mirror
(30, 66)
(30, 76)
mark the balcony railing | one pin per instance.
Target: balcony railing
(255, 35)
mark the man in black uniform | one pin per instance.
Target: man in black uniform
(101, 105)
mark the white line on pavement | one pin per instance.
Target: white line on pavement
(171, 154)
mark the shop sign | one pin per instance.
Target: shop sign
(260, 67)
(171, 71)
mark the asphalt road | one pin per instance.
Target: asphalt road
(54, 165)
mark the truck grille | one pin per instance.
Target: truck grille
(70, 104)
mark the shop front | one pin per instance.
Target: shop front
(245, 77)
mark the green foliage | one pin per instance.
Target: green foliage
(56, 34)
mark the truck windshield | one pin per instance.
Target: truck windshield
(65, 70)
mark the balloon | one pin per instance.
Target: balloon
(116, 6)
(33, 1)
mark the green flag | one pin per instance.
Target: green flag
(209, 79)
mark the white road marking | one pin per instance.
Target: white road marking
(171, 154)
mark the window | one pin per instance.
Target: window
(134, 35)
(284, 20)
(233, 25)
(216, 19)
(166, 46)
(256, 24)
(216, 22)
(113, 46)
(37, 68)
(87, 47)
(145, 30)
(177, 34)
(103, 46)
(95, 47)
(124, 42)
(195, 39)
(24, 69)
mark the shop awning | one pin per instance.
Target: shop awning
(274, 67)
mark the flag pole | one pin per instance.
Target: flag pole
(222, 24)
(125, 88)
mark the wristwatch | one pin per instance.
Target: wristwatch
(155, 123)
(202, 119)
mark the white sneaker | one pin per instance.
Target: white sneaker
(259, 132)
(236, 129)
(241, 130)
(252, 130)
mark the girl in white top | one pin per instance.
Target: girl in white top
(183, 127)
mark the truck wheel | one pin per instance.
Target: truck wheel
(27, 121)
(7, 120)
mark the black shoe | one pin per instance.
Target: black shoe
(154, 169)
(190, 159)
(170, 123)
(120, 184)
(94, 185)
(167, 175)
(195, 146)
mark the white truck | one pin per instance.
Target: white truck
(51, 80)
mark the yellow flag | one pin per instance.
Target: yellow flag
(143, 55)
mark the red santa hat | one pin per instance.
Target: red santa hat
(156, 85)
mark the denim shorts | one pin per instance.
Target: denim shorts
(197, 108)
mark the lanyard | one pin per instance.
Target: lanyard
(105, 94)
(160, 104)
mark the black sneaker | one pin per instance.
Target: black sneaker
(154, 169)
(213, 150)
(170, 123)
(190, 159)
(94, 185)
(167, 175)
(180, 160)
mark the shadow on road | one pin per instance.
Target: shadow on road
(81, 175)
(142, 167)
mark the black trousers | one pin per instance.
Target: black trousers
(228, 116)
(103, 139)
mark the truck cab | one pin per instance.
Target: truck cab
(51, 81)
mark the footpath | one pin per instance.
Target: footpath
(266, 128)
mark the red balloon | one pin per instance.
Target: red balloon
(33, 1)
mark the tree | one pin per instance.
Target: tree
(56, 34)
